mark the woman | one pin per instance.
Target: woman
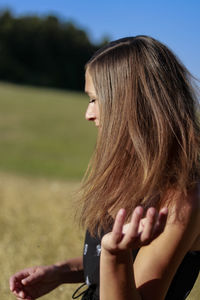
(145, 167)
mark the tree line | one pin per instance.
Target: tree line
(43, 51)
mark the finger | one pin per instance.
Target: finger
(125, 228)
(26, 298)
(141, 225)
(146, 234)
(118, 226)
(33, 278)
(22, 295)
(15, 280)
(161, 222)
(12, 284)
(133, 229)
(19, 294)
(135, 220)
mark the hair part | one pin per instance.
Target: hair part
(149, 137)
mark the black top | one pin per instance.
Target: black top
(180, 287)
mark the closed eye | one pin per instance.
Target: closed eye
(92, 100)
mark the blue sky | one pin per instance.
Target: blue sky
(174, 22)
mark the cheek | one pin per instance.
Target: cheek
(86, 114)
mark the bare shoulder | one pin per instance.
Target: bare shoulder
(184, 215)
(185, 208)
(181, 235)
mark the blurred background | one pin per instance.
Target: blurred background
(45, 143)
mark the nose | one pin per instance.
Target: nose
(90, 114)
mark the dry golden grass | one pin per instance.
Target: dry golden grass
(37, 227)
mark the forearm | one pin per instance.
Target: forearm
(117, 278)
(70, 271)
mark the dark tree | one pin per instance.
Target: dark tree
(43, 51)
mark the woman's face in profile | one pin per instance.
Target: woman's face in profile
(92, 112)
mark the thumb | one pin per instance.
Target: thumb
(32, 278)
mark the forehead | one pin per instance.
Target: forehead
(89, 86)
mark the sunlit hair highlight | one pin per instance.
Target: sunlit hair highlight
(149, 136)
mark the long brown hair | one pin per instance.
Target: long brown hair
(149, 136)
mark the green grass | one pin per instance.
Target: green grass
(43, 132)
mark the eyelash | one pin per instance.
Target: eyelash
(92, 100)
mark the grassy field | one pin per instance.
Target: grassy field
(43, 135)
(36, 227)
(43, 132)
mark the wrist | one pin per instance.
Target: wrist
(62, 271)
(116, 257)
(70, 271)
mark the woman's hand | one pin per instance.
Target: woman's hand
(34, 282)
(139, 232)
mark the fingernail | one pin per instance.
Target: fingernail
(21, 294)
(152, 211)
(121, 211)
(164, 210)
(139, 210)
